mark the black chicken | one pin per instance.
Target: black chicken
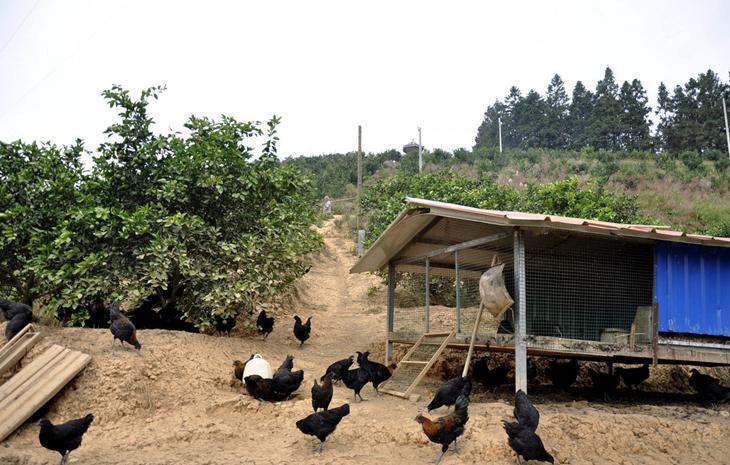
(604, 383)
(265, 324)
(448, 428)
(525, 412)
(322, 424)
(336, 368)
(301, 331)
(526, 443)
(377, 371)
(122, 328)
(491, 379)
(633, 376)
(10, 309)
(355, 379)
(708, 387)
(322, 395)
(449, 391)
(562, 375)
(263, 389)
(286, 381)
(224, 324)
(16, 323)
(65, 437)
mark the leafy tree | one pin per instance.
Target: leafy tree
(37, 191)
(203, 222)
(488, 131)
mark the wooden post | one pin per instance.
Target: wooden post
(521, 316)
(389, 319)
(428, 295)
(359, 173)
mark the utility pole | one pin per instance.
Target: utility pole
(360, 232)
(727, 131)
(499, 120)
(420, 152)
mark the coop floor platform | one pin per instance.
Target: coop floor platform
(37, 383)
(676, 352)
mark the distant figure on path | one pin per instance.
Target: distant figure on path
(327, 205)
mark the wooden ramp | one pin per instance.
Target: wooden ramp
(416, 363)
(17, 347)
(36, 384)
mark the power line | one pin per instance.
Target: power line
(12, 36)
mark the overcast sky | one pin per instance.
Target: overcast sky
(326, 67)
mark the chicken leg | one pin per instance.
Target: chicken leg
(318, 449)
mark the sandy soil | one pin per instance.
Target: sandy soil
(174, 402)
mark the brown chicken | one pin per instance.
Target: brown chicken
(446, 429)
(239, 367)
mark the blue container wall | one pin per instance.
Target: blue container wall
(692, 288)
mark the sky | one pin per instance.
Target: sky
(326, 67)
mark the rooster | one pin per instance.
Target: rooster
(525, 412)
(445, 430)
(336, 368)
(322, 395)
(285, 380)
(562, 375)
(526, 443)
(122, 328)
(633, 376)
(355, 379)
(10, 309)
(604, 383)
(301, 331)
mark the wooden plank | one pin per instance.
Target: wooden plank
(430, 363)
(10, 357)
(414, 362)
(36, 391)
(15, 338)
(28, 371)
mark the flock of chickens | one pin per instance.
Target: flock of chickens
(445, 430)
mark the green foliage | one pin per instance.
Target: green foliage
(382, 201)
(37, 192)
(200, 218)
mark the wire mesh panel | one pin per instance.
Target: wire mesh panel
(472, 263)
(587, 289)
(409, 312)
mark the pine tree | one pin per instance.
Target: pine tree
(556, 119)
(488, 132)
(604, 124)
(581, 108)
(634, 117)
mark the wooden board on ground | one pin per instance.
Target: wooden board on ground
(415, 364)
(31, 388)
(17, 347)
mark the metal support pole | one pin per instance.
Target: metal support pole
(499, 120)
(458, 292)
(359, 173)
(428, 294)
(727, 130)
(420, 152)
(391, 314)
(521, 310)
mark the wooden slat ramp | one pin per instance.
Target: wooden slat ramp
(30, 389)
(17, 347)
(415, 364)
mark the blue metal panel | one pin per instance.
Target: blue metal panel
(692, 288)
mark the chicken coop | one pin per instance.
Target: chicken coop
(581, 288)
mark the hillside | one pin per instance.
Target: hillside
(173, 402)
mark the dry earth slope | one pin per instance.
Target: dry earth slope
(173, 403)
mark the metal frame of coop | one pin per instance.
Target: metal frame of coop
(580, 289)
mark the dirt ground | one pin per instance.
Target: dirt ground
(174, 402)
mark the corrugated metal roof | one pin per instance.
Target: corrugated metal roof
(389, 244)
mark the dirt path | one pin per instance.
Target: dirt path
(173, 403)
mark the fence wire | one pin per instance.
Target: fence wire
(582, 292)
